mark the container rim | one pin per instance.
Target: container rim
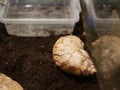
(38, 21)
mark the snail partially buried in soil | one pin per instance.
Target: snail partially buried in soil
(7, 83)
(70, 56)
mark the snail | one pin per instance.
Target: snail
(7, 83)
(106, 51)
(69, 55)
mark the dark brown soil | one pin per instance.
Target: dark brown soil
(29, 61)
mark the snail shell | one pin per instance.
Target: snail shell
(70, 56)
(7, 83)
(106, 51)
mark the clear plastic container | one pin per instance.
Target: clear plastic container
(103, 16)
(102, 25)
(39, 17)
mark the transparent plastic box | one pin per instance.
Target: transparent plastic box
(102, 26)
(103, 16)
(39, 17)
